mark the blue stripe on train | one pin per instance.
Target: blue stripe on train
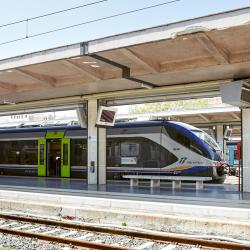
(193, 169)
(19, 167)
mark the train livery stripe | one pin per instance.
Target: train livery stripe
(158, 170)
(18, 167)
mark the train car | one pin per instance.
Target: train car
(152, 147)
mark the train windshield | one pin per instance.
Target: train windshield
(207, 139)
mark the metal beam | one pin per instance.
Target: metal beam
(29, 108)
(93, 76)
(205, 124)
(138, 59)
(186, 91)
(204, 117)
(161, 98)
(43, 79)
(213, 49)
(7, 86)
(125, 71)
(236, 116)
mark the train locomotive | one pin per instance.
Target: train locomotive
(150, 147)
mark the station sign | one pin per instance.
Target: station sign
(106, 116)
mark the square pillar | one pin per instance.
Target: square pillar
(92, 142)
(220, 136)
(96, 147)
(102, 155)
(245, 173)
(176, 184)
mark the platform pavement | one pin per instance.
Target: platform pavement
(213, 194)
(163, 216)
(218, 209)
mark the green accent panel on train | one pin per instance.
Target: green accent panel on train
(55, 134)
(42, 157)
(65, 164)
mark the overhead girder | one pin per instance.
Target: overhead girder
(195, 90)
(188, 59)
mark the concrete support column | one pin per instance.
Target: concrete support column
(102, 155)
(220, 136)
(96, 147)
(245, 174)
(92, 142)
(176, 184)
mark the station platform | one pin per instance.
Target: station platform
(217, 210)
(226, 195)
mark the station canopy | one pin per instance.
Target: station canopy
(188, 56)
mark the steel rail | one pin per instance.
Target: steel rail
(142, 235)
(58, 239)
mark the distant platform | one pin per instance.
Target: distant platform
(212, 195)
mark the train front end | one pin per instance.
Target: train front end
(216, 158)
(198, 153)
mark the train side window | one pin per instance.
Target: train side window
(184, 140)
(78, 152)
(130, 149)
(154, 155)
(113, 152)
(18, 152)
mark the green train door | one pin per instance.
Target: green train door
(42, 157)
(65, 163)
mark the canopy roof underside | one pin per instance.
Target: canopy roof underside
(215, 47)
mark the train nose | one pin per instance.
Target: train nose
(222, 170)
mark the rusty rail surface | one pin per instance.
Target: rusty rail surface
(142, 235)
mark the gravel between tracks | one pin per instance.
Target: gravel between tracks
(10, 242)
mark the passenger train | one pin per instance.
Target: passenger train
(151, 147)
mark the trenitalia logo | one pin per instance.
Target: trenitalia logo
(182, 160)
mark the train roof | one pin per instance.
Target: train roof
(117, 125)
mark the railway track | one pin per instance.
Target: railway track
(93, 237)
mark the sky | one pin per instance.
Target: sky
(13, 10)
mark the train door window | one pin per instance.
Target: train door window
(65, 168)
(42, 154)
(65, 154)
(54, 157)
